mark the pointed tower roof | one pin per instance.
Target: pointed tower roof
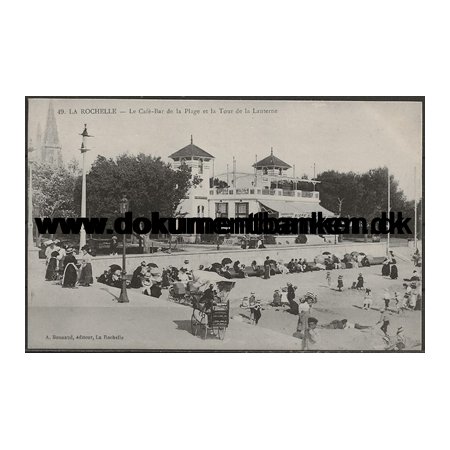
(50, 147)
(272, 161)
(51, 138)
(189, 151)
(38, 135)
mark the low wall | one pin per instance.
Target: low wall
(207, 257)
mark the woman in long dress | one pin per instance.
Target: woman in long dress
(394, 272)
(52, 266)
(386, 269)
(86, 278)
(267, 268)
(70, 274)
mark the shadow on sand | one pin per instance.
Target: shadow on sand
(115, 298)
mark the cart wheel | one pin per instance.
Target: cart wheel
(194, 326)
(221, 333)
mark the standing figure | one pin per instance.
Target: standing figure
(413, 299)
(256, 311)
(398, 306)
(60, 258)
(49, 250)
(394, 270)
(267, 268)
(86, 278)
(384, 320)
(70, 273)
(328, 278)
(367, 299)
(386, 298)
(385, 268)
(113, 246)
(52, 266)
(340, 283)
(360, 283)
(293, 305)
(303, 312)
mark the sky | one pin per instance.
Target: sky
(333, 135)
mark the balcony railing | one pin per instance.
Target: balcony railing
(259, 191)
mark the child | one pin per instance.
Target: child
(340, 284)
(328, 278)
(367, 299)
(397, 302)
(384, 320)
(251, 304)
(386, 298)
(256, 311)
(276, 298)
(360, 283)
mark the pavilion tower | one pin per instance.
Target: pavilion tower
(200, 162)
(51, 148)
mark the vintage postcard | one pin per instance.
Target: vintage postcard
(225, 224)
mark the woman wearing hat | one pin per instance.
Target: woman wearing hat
(267, 268)
(386, 267)
(290, 298)
(70, 274)
(50, 273)
(138, 275)
(255, 311)
(86, 278)
(394, 270)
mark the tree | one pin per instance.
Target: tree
(53, 190)
(149, 184)
(364, 195)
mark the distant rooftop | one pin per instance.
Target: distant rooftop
(189, 151)
(272, 161)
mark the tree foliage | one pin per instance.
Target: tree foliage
(149, 184)
(362, 195)
(53, 190)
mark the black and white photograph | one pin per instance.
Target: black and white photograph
(146, 284)
(224, 225)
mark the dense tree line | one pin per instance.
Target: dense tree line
(363, 194)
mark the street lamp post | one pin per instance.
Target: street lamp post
(123, 298)
(30, 199)
(83, 150)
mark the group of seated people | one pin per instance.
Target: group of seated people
(147, 277)
(297, 265)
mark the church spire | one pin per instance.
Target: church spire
(192, 140)
(51, 148)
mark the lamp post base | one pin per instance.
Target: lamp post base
(123, 298)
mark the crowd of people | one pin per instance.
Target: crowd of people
(63, 266)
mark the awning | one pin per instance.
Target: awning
(293, 209)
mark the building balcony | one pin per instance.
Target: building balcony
(259, 192)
